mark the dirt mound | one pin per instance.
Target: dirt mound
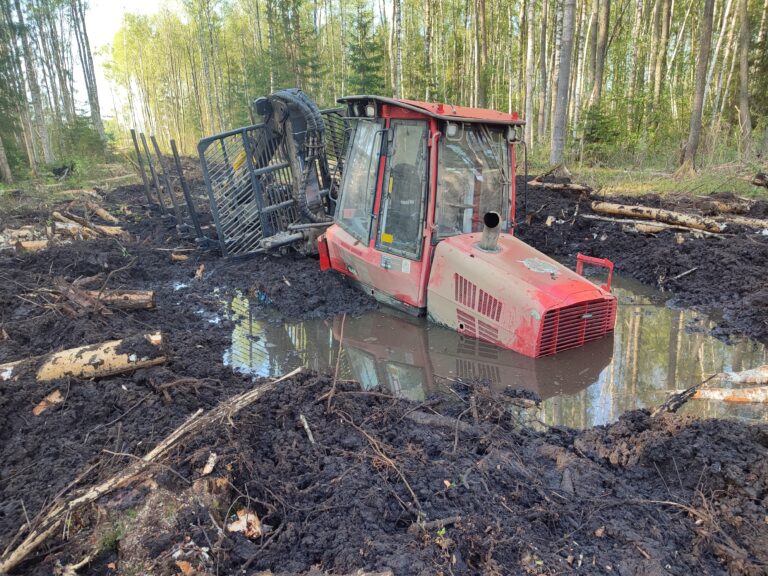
(723, 275)
(378, 490)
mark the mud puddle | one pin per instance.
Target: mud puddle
(654, 351)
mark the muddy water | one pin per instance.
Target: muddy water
(655, 350)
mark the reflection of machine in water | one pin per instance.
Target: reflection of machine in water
(403, 354)
(411, 357)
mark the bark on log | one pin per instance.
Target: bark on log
(658, 214)
(101, 213)
(94, 361)
(736, 395)
(757, 375)
(125, 299)
(79, 297)
(18, 234)
(646, 227)
(737, 206)
(745, 221)
(73, 229)
(32, 245)
(559, 186)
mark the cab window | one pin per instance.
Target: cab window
(405, 185)
(357, 189)
(472, 179)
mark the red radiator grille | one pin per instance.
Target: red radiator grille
(489, 306)
(464, 290)
(575, 325)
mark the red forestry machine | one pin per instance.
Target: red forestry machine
(414, 202)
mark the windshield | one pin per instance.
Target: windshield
(472, 179)
(357, 189)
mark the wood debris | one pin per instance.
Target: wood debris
(51, 520)
(659, 215)
(753, 395)
(247, 522)
(94, 361)
(52, 399)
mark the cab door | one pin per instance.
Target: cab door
(399, 236)
(381, 236)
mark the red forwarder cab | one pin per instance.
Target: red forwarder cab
(420, 181)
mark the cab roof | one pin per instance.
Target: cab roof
(443, 111)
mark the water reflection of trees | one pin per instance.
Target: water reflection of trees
(658, 350)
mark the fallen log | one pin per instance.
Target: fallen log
(73, 229)
(19, 234)
(101, 213)
(658, 214)
(78, 297)
(125, 299)
(31, 245)
(98, 228)
(94, 361)
(559, 186)
(645, 227)
(744, 221)
(60, 510)
(737, 206)
(757, 375)
(752, 395)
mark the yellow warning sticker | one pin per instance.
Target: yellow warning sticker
(388, 238)
(239, 160)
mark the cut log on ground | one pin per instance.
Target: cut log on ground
(94, 361)
(658, 214)
(757, 375)
(80, 298)
(32, 245)
(737, 206)
(101, 213)
(74, 230)
(646, 227)
(125, 299)
(752, 395)
(745, 221)
(559, 186)
(59, 511)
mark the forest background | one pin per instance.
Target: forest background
(630, 86)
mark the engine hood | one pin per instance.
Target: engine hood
(504, 296)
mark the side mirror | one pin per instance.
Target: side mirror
(512, 134)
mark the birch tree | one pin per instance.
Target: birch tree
(705, 40)
(557, 151)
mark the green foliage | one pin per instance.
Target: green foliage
(602, 133)
(366, 53)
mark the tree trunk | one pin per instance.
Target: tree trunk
(559, 121)
(744, 117)
(86, 60)
(5, 168)
(541, 124)
(705, 40)
(529, 70)
(34, 89)
(427, 50)
(600, 52)
(661, 52)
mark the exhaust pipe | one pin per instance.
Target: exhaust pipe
(491, 229)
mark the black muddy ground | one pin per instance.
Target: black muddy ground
(537, 502)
